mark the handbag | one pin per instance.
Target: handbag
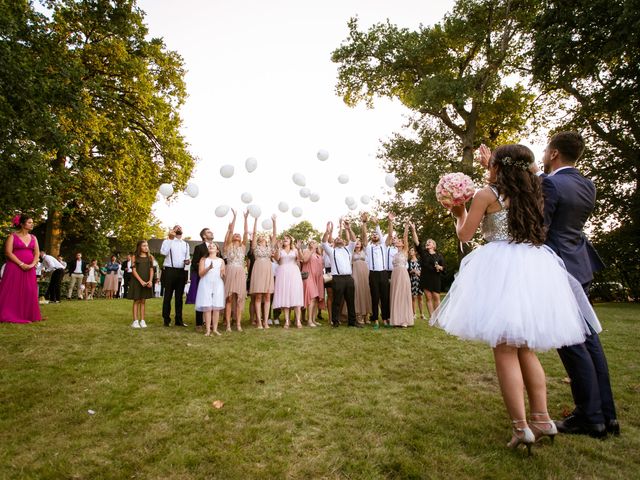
(327, 277)
(304, 275)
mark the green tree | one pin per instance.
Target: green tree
(588, 51)
(303, 231)
(111, 100)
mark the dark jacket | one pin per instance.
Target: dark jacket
(71, 266)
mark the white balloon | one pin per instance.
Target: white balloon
(166, 190)
(246, 197)
(254, 211)
(222, 210)
(267, 224)
(390, 180)
(365, 199)
(192, 190)
(343, 178)
(353, 206)
(283, 206)
(305, 192)
(299, 179)
(251, 164)
(314, 197)
(296, 212)
(226, 171)
(349, 201)
(323, 155)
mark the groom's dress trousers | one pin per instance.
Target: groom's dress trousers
(376, 255)
(569, 199)
(342, 283)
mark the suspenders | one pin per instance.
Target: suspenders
(334, 259)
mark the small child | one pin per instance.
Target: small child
(141, 286)
(210, 296)
(93, 277)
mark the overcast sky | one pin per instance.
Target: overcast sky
(261, 84)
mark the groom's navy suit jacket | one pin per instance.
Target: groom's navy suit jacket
(569, 199)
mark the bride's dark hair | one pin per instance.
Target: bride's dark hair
(515, 182)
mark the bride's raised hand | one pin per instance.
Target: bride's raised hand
(483, 155)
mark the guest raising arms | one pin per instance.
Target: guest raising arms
(313, 284)
(210, 298)
(289, 292)
(18, 286)
(141, 285)
(431, 267)
(262, 282)
(414, 276)
(360, 272)
(400, 295)
(235, 280)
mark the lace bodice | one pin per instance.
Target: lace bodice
(494, 225)
(400, 260)
(359, 256)
(262, 251)
(288, 258)
(235, 256)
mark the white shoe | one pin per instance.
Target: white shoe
(135, 324)
(143, 324)
(277, 321)
(269, 322)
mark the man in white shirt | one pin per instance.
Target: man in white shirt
(176, 262)
(379, 259)
(343, 286)
(76, 269)
(127, 270)
(56, 270)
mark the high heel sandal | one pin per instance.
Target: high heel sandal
(521, 435)
(548, 428)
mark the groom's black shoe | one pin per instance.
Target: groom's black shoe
(575, 425)
(613, 427)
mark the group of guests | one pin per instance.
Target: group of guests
(367, 278)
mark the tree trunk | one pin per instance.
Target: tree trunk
(53, 235)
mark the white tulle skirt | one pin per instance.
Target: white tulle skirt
(517, 294)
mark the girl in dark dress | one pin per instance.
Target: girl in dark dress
(432, 265)
(414, 276)
(141, 286)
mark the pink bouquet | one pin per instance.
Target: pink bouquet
(455, 189)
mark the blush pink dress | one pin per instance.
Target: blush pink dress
(288, 288)
(400, 295)
(19, 289)
(314, 283)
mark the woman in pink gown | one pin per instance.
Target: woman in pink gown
(400, 300)
(288, 287)
(313, 264)
(18, 287)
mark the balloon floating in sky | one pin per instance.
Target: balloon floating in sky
(314, 197)
(254, 211)
(305, 192)
(222, 210)
(251, 164)
(349, 201)
(296, 212)
(267, 224)
(365, 199)
(343, 178)
(246, 197)
(323, 155)
(166, 190)
(226, 171)
(192, 190)
(390, 180)
(299, 179)
(353, 206)
(283, 207)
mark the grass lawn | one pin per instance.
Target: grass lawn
(304, 404)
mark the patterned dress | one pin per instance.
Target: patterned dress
(235, 280)
(414, 266)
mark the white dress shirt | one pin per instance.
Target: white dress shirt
(340, 258)
(78, 268)
(391, 253)
(376, 255)
(50, 263)
(176, 251)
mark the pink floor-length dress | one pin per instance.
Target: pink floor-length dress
(314, 283)
(288, 288)
(400, 295)
(19, 289)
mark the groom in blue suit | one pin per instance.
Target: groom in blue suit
(569, 199)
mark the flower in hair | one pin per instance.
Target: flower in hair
(16, 221)
(520, 163)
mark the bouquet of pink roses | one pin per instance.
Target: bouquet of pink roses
(455, 189)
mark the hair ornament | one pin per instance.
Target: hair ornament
(16, 221)
(520, 163)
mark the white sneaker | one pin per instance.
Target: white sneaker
(277, 321)
(269, 322)
(135, 324)
(143, 324)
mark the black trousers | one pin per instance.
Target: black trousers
(586, 365)
(379, 286)
(53, 292)
(126, 278)
(174, 282)
(343, 289)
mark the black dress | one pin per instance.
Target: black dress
(136, 290)
(430, 278)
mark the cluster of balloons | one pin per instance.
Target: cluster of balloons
(166, 190)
